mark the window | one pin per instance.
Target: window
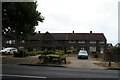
(81, 41)
(23, 41)
(101, 42)
(71, 41)
(93, 49)
(101, 50)
(93, 42)
(10, 42)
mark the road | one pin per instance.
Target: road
(21, 71)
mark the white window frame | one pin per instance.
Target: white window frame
(81, 42)
(71, 41)
(10, 42)
(93, 42)
(92, 48)
(101, 50)
(101, 42)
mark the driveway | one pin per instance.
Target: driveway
(82, 63)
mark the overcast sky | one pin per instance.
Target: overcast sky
(82, 16)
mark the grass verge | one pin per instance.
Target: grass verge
(106, 64)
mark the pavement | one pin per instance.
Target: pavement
(74, 62)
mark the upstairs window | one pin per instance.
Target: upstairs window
(93, 42)
(81, 42)
(101, 42)
(71, 41)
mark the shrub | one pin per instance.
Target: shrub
(113, 54)
(53, 55)
(93, 54)
(59, 53)
(68, 51)
(47, 52)
(33, 53)
(21, 53)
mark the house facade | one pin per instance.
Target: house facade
(92, 42)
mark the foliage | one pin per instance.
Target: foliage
(46, 56)
(68, 51)
(19, 19)
(48, 52)
(94, 54)
(24, 53)
(59, 52)
(115, 50)
(113, 54)
(21, 53)
(53, 55)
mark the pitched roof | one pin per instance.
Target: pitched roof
(71, 36)
(36, 36)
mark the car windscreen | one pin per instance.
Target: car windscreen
(83, 52)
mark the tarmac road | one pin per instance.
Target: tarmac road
(55, 72)
(77, 69)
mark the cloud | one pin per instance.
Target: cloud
(81, 16)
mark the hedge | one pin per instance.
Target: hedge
(24, 53)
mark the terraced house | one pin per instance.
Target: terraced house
(92, 42)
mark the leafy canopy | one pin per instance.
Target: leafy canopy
(19, 19)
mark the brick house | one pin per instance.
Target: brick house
(92, 42)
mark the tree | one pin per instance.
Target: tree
(19, 19)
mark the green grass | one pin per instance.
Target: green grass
(25, 53)
(54, 55)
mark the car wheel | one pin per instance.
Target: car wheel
(87, 58)
(8, 53)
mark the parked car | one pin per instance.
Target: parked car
(9, 50)
(82, 54)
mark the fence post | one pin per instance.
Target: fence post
(109, 63)
(109, 59)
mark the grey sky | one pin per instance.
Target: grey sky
(82, 16)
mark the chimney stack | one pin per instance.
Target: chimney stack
(39, 32)
(91, 32)
(73, 31)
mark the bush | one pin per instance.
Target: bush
(93, 54)
(59, 53)
(53, 55)
(113, 54)
(24, 53)
(20, 53)
(68, 51)
(33, 53)
(47, 52)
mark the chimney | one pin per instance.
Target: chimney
(39, 32)
(90, 32)
(73, 31)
